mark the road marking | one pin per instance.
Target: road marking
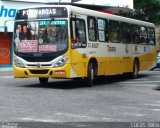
(140, 79)
(139, 85)
(157, 101)
(135, 114)
(155, 105)
(156, 76)
(51, 120)
(39, 120)
(6, 77)
(82, 117)
(140, 82)
(156, 110)
(72, 115)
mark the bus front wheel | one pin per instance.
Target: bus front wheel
(43, 80)
(90, 75)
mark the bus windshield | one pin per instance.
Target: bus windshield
(40, 36)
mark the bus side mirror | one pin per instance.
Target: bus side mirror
(5, 30)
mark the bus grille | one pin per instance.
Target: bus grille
(39, 71)
(38, 59)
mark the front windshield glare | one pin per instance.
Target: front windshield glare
(40, 36)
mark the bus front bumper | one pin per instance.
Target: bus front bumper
(59, 72)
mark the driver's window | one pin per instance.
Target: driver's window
(78, 33)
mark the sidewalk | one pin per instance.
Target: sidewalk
(6, 71)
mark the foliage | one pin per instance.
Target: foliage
(147, 10)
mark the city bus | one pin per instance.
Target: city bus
(68, 42)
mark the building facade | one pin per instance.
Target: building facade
(8, 11)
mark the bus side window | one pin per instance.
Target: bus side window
(143, 35)
(102, 32)
(92, 28)
(125, 33)
(135, 34)
(151, 36)
(114, 31)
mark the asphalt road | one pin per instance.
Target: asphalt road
(112, 99)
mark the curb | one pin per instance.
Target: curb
(6, 69)
(6, 72)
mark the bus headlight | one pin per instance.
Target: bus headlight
(18, 63)
(61, 62)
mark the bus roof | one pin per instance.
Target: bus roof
(109, 16)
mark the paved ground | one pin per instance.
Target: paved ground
(113, 99)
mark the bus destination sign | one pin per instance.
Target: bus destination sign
(41, 13)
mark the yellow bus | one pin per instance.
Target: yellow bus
(64, 41)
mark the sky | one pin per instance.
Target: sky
(120, 3)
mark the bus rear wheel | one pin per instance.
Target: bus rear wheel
(134, 74)
(43, 80)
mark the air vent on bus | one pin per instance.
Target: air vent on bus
(42, 65)
(39, 71)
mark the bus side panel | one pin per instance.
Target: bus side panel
(148, 61)
(146, 55)
(78, 63)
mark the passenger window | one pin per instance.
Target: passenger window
(143, 35)
(114, 33)
(125, 33)
(102, 33)
(151, 36)
(135, 34)
(92, 29)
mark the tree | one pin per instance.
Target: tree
(147, 10)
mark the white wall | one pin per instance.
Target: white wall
(8, 11)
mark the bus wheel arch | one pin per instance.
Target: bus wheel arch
(91, 71)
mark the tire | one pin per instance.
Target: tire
(90, 75)
(134, 74)
(43, 81)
